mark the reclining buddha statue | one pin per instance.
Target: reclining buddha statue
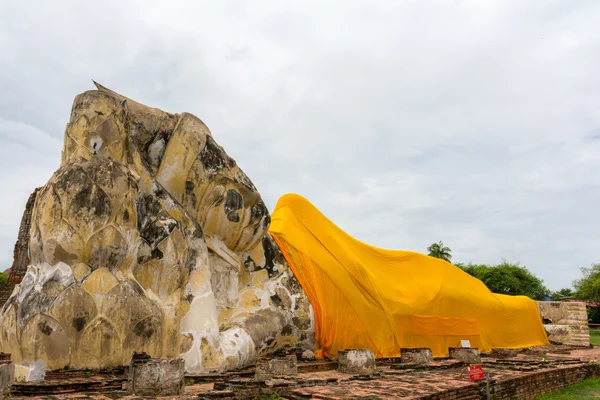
(149, 237)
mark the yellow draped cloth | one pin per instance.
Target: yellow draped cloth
(383, 300)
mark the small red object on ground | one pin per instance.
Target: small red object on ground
(476, 373)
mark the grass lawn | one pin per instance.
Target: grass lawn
(586, 390)
(595, 336)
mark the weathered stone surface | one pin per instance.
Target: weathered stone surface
(7, 378)
(155, 376)
(356, 361)
(308, 355)
(565, 322)
(470, 355)
(21, 251)
(276, 367)
(503, 353)
(415, 355)
(149, 237)
(7, 374)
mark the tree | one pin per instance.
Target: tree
(3, 277)
(561, 294)
(438, 250)
(508, 278)
(588, 287)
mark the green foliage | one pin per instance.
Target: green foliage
(508, 278)
(587, 389)
(3, 277)
(588, 287)
(438, 250)
(595, 336)
(561, 294)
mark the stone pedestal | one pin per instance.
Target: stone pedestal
(415, 355)
(470, 355)
(7, 374)
(276, 367)
(156, 376)
(356, 361)
(565, 322)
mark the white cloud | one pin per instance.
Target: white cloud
(471, 122)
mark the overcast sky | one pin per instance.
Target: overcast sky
(406, 122)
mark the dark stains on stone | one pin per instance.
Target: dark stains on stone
(126, 216)
(242, 178)
(263, 324)
(38, 302)
(110, 257)
(154, 224)
(148, 207)
(79, 323)
(145, 253)
(277, 301)
(156, 254)
(158, 230)
(302, 324)
(94, 200)
(189, 187)
(249, 264)
(190, 263)
(196, 231)
(258, 211)
(272, 255)
(214, 158)
(159, 191)
(45, 328)
(287, 330)
(137, 288)
(233, 203)
(144, 329)
(61, 254)
(72, 176)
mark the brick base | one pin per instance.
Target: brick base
(526, 387)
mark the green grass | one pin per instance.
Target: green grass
(595, 336)
(586, 390)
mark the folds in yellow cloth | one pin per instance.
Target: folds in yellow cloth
(367, 297)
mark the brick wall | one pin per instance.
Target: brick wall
(526, 386)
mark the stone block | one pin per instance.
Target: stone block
(565, 322)
(276, 367)
(470, 355)
(356, 361)
(7, 377)
(415, 355)
(156, 376)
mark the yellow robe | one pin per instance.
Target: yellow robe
(383, 300)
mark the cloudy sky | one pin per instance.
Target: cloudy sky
(406, 122)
